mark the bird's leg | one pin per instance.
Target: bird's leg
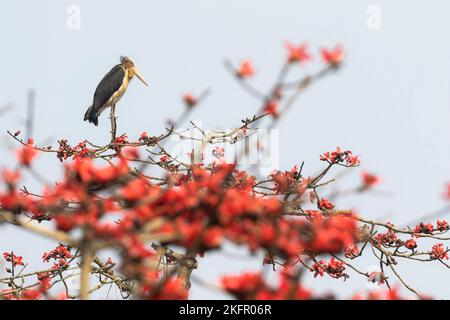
(112, 116)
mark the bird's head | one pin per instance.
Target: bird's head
(132, 70)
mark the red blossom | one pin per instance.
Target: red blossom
(339, 156)
(284, 181)
(334, 56)
(246, 69)
(11, 177)
(143, 136)
(173, 289)
(164, 159)
(426, 228)
(351, 251)
(442, 225)
(242, 285)
(297, 53)
(410, 244)
(369, 180)
(44, 282)
(325, 204)
(439, 252)
(15, 260)
(60, 252)
(190, 100)
(336, 268)
(314, 215)
(319, 268)
(271, 107)
(30, 294)
(332, 235)
(27, 153)
(389, 238)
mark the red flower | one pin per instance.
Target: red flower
(424, 228)
(30, 294)
(326, 204)
(271, 108)
(333, 57)
(351, 251)
(314, 215)
(135, 189)
(284, 180)
(242, 285)
(297, 53)
(410, 244)
(190, 100)
(246, 69)
(369, 180)
(442, 225)
(438, 252)
(143, 136)
(164, 159)
(11, 177)
(388, 238)
(16, 260)
(27, 153)
(213, 237)
(60, 252)
(318, 268)
(339, 156)
(336, 268)
(332, 235)
(173, 289)
(44, 282)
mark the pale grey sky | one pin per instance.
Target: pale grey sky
(390, 103)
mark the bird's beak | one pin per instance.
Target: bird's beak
(140, 76)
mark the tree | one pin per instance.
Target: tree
(159, 225)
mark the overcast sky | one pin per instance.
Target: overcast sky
(390, 103)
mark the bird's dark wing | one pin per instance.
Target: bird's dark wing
(107, 86)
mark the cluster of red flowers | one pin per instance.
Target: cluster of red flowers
(66, 151)
(340, 157)
(439, 252)
(428, 228)
(252, 286)
(325, 204)
(60, 254)
(334, 268)
(300, 53)
(15, 260)
(198, 208)
(285, 181)
(388, 238)
(201, 211)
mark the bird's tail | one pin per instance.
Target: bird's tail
(91, 115)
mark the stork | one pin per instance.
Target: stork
(111, 88)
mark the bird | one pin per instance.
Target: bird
(112, 87)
